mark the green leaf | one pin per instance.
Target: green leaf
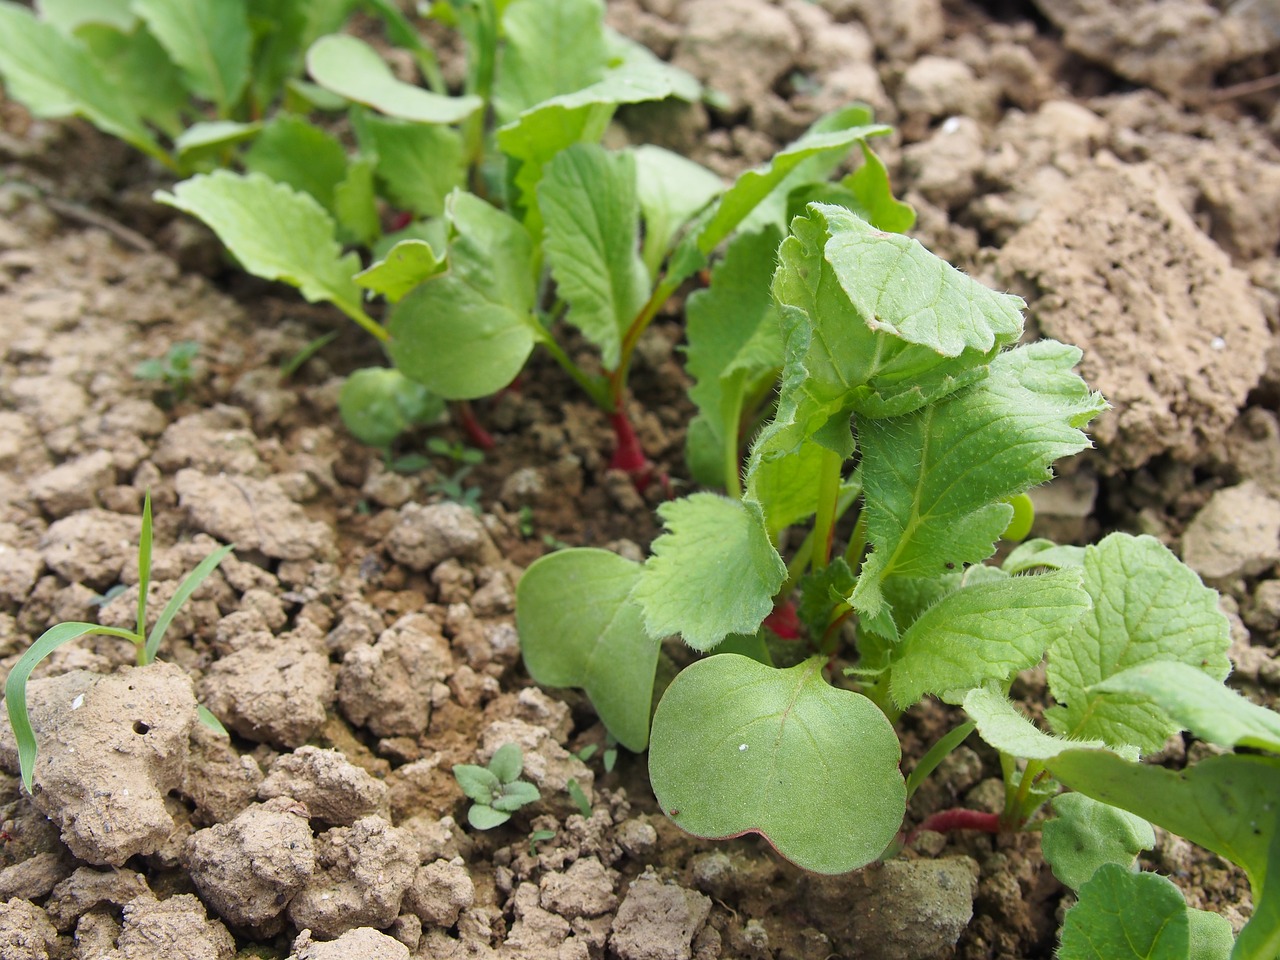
(418, 165)
(350, 67)
(1212, 937)
(408, 264)
(588, 201)
(479, 783)
(206, 717)
(552, 47)
(936, 480)
(820, 592)
(379, 403)
(1261, 935)
(15, 685)
(579, 628)
(209, 39)
(753, 186)
(484, 817)
(1043, 554)
(467, 332)
(1084, 834)
(672, 189)
(53, 77)
(133, 62)
(516, 795)
(507, 763)
(211, 137)
(739, 747)
(714, 572)
(788, 487)
(291, 150)
(1199, 703)
(188, 586)
(1126, 916)
(355, 204)
(988, 631)
(146, 540)
(1002, 726)
(276, 233)
(1147, 606)
(733, 342)
(876, 202)
(68, 16)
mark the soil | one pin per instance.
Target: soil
(1116, 164)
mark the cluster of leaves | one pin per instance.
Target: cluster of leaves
(904, 400)
(495, 791)
(175, 370)
(148, 644)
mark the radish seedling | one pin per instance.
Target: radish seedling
(496, 791)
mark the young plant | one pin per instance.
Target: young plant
(908, 425)
(515, 229)
(148, 644)
(496, 791)
(174, 369)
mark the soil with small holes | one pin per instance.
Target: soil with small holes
(1115, 164)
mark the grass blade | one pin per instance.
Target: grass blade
(144, 564)
(205, 716)
(184, 592)
(15, 687)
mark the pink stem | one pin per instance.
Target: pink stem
(945, 821)
(783, 621)
(478, 435)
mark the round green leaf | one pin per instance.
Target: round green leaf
(739, 747)
(484, 817)
(378, 404)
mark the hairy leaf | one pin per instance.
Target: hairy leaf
(209, 39)
(1147, 606)
(1084, 834)
(988, 631)
(1001, 725)
(592, 215)
(739, 747)
(467, 332)
(936, 480)
(579, 628)
(714, 572)
(351, 68)
(1213, 712)
(1126, 916)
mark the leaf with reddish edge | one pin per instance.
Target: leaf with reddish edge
(739, 747)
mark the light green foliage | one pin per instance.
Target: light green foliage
(739, 747)
(349, 67)
(553, 47)
(418, 164)
(1147, 606)
(405, 266)
(290, 150)
(133, 62)
(734, 344)
(147, 643)
(496, 791)
(988, 631)
(377, 404)
(468, 331)
(592, 216)
(175, 369)
(210, 40)
(1196, 702)
(1042, 554)
(713, 573)
(936, 480)
(1084, 834)
(579, 628)
(1006, 729)
(1138, 916)
(54, 77)
(672, 189)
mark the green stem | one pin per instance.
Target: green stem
(618, 378)
(828, 499)
(857, 543)
(366, 322)
(936, 754)
(596, 388)
(1015, 812)
(732, 465)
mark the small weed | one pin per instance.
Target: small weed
(496, 791)
(175, 369)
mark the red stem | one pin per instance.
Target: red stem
(945, 821)
(784, 621)
(478, 435)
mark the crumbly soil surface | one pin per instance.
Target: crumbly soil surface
(1116, 164)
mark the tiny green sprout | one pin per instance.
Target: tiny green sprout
(537, 837)
(15, 688)
(174, 369)
(525, 520)
(455, 451)
(587, 752)
(577, 795)
(496, 791)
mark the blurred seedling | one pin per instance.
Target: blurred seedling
(496, 791)
(175, 370)
(147, 644)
